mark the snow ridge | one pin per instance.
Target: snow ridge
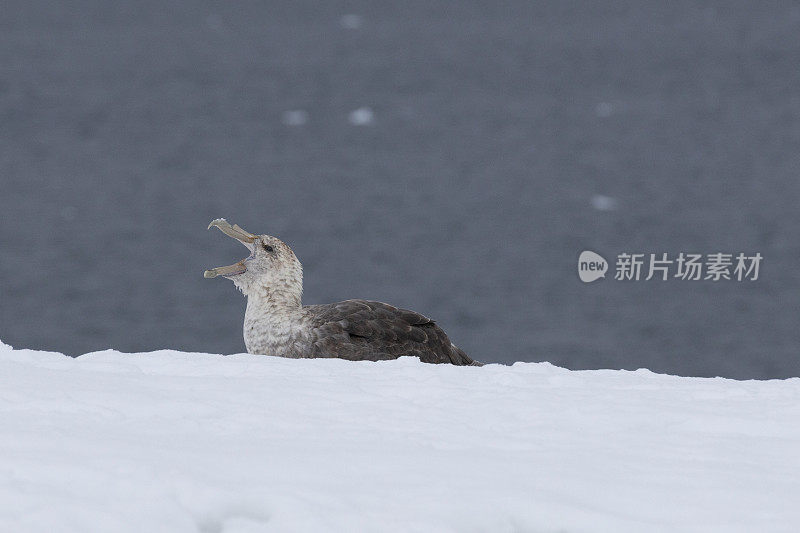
(172, 441)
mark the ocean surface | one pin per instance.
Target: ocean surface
(452, 158)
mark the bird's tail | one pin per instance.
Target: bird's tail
(463, 359)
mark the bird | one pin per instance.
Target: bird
(277, 323)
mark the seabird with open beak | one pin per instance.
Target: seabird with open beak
(277, 323)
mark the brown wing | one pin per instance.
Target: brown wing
(361, 330)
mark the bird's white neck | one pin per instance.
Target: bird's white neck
(273, 320)
(283, 298)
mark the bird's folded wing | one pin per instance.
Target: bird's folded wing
(365, 330)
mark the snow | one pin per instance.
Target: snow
(602, 202)
(351, 21)
(604, 109)
(295, 117)
(363, 116)
(171, 441)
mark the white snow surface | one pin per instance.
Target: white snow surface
(171, 441)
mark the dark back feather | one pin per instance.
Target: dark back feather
(363, 330)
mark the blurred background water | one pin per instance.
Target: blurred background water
(452, 158)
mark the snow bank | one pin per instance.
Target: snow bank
(171, 441)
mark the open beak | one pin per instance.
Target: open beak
(240, 235)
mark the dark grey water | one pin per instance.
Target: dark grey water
(126, 127)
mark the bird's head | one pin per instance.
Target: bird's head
(271, 265)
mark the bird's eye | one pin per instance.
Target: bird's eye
(267, 247)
